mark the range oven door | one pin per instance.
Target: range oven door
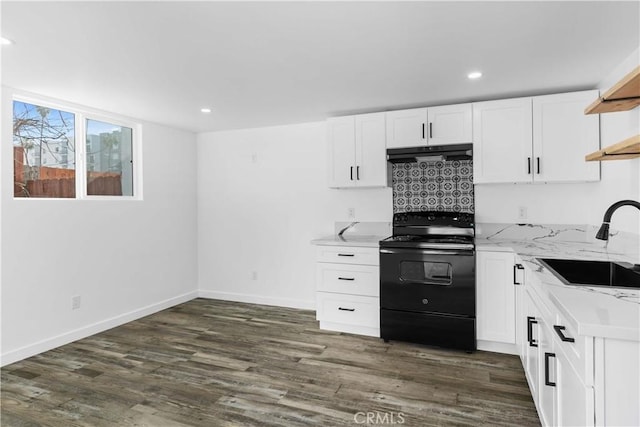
(428, 281)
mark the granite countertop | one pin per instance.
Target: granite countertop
(361, 234)
(594, 311)
(350, 240)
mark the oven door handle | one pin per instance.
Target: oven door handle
(424, 282)
(419, 251)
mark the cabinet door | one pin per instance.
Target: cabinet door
(371, 152)
(341, 140)
(495, 296)
(547, 370)
(520, 278)
(354, 310)
(348, 254)
(406, 128)
(531, 361)
(348, 279)
(574, 400)
(502, 140)
(617, 386)
(450, 124)
(562, 135)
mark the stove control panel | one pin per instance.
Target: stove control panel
(458, 219)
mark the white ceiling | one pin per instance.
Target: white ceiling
(265, 63)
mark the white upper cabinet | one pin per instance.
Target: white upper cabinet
(449, 124)
(406, 128)
(342, 154)
(357, 152)
(502, 137)
(371, 152)
(539, 139)
(562, 134)
(521, 140)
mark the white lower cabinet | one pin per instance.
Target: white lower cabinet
(348, 289)
(530, 352)
(539, 348)
(617, 382)
(575, 380)
(558, 364)
(520, 278)
(574, 400)
(497, 277)
(354, 310)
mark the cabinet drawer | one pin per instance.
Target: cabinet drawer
(578, 353)
(348, 279)
(348, 309)
(348, 255)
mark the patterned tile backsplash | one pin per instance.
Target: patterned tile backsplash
(433, 185)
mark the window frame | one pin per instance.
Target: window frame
(81, 115)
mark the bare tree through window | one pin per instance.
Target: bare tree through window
(43, 151)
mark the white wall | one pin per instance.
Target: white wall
(260, 215)
(262, 196)
(125, 258)
(576, 203)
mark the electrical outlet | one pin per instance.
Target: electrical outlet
(351, 213)
(522, 212)
(254, 275)
(75, 302)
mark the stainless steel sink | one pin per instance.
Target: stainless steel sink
(593, 273)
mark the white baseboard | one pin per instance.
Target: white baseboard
(258, 299)
(497, 347)
(94, 328)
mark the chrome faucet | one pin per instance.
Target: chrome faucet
(603, 233)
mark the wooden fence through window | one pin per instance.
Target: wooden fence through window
(59, 182)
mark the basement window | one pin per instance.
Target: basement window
(40, 134)
(109, 152)
(50, 163)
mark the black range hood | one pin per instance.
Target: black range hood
(445, 152)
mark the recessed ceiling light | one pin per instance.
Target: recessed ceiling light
(5, 41)
(205, 110)
(474, 75)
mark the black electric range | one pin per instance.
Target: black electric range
(427, 280)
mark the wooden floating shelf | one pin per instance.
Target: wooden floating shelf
(623, 96)
(627, 149)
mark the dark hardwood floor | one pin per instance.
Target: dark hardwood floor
(217, 363)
